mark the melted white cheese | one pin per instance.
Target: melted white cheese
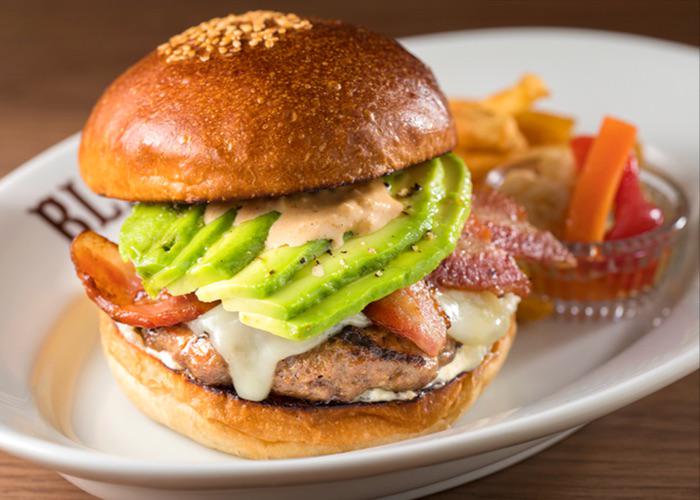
(478, 320)
(252, 355)
(466, 359)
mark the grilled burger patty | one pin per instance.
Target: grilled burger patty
(340, 369)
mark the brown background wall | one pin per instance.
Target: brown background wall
(57, 56)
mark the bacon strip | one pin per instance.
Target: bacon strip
(511, 231)
(115, 287)
(478, 265)
(496, 234)
(412, 313)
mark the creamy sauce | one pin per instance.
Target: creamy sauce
(252, 355)
(132, 336)
(327, 214)
(466, 359)
(379, 395)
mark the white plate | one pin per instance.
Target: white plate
(60, 408)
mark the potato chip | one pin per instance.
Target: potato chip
(542, 128)
(519, 97)
(502, 126)
(482, 129)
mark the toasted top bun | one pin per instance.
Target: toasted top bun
(263, 104)
(219, 419)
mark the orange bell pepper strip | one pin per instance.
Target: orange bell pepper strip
(594, 192)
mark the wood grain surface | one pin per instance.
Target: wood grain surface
(57, 57)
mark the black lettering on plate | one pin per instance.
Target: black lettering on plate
(56, 215)
(104, 219)
(66, 218)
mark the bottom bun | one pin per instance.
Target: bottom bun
(286, 428)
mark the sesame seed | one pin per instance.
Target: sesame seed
(430, 235)
(229, 34)
(372, 250)
(379, 273)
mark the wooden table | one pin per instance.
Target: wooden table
(57, 56)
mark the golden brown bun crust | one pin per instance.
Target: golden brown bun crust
(330, 105)
(261, 430)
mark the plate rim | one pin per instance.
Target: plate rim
(555, 31)
(94, 464)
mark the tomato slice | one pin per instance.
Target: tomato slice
(412, 313)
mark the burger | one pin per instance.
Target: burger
(305, 269)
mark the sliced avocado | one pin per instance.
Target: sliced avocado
(171, 242)
(142, 230)
(266, 274)
(358, 256)
(410, 266)
(231, 253)
(197, 247)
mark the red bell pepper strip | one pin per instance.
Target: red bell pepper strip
(634, 215)
(580, 145)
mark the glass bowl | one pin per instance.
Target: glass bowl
(614, 278)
